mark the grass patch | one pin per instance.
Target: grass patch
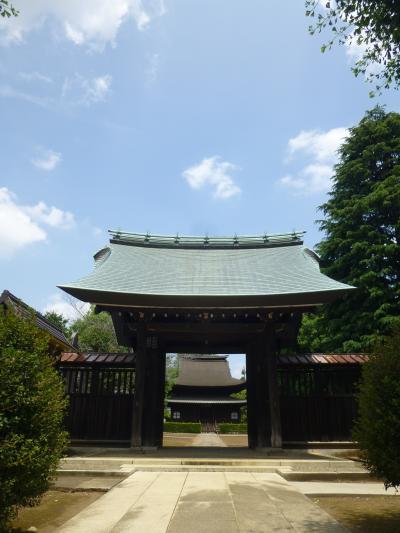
(232, 428)
(364, 514)
(182, 427)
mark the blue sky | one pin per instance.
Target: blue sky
(164, 116)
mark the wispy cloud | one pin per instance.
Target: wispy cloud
(70, 309)
(318, 151)
(22, 225)
(7, 91)
(48, 160)
(78, 90)
(215, 172)
(93, 23)
(34, 76)
(152, 68)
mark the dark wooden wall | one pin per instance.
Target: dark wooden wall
(100, 403)
(317, 403)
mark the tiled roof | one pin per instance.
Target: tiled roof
(9, 299)
(197, 372)
(89, 358)
(323, 359)
(96, 358)
(127, 267)
(205, 399)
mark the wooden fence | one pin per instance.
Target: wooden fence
(100, 402)
(317, 402)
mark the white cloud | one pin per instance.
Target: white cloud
(51, 216)
(322, 146)
(319, 149)
(79, 90)
(48, 160)
(71, 310)
(215, 172)
(93, 23)
(17, 229)
(23, 225)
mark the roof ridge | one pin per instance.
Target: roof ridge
(190, 241)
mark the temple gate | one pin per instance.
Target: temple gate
(206, 295)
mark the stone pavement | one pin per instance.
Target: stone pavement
(208, 439)
(202, 502)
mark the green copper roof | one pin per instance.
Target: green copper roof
(133, 270)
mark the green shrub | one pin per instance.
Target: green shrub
(182, 427)
(32, 405)
(377, 429)
(232, 428)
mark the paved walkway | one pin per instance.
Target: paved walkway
(202, 502)
(208, 439)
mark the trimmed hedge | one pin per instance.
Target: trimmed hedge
(377, 429)
(232, 428)
(182, 427)
(32, 407)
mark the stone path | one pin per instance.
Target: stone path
(202, 502)
(209, 440)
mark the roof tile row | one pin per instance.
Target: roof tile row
(90, 358)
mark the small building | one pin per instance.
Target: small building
(202, 391)
(58, 341)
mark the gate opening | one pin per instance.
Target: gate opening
(205, 400)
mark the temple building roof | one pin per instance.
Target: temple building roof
(209, 371)
(217, 400)
(155, 271)
(9, 300)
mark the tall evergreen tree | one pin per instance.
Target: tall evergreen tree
(362, 239)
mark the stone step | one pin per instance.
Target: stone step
(326, 476)
(95, 473)
(205, 468)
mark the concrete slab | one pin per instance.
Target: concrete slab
(205, 487)
(203, 502)
(353, 489)
(103, 514)
(301, 513)
(152, 512)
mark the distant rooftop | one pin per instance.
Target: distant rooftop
(208, 371)
(8, 299)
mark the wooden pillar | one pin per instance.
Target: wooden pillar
(263, 407)
(140, 379)
(273, 389)
(148, 408)
(258, 427)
